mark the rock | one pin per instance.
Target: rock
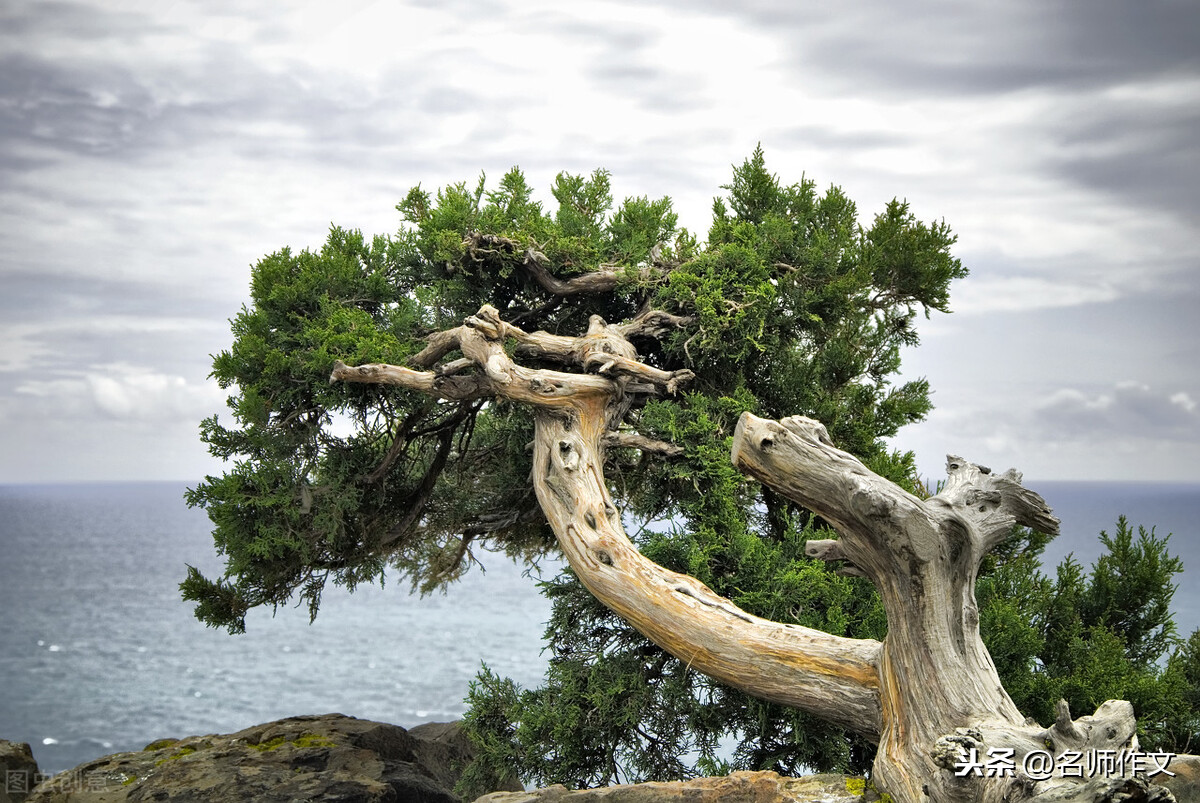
(328, 758)
(445, 749)
(18, 771)
(1185, 783)
(740, 787)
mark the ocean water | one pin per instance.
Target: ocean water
(98, 654)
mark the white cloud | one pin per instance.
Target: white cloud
(1129, 409)
(990, 293)
(1127, 429)
(121, 392)
(1183, 400)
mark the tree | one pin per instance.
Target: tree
(625, 354)
(1087, 637)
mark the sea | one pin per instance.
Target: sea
(98, 654)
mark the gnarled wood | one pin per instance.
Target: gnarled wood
(632, 440)
(787, 664)
(940, 693)
(534, 262)
(929, 694)
(831, 675)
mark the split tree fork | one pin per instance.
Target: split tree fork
(927, 693)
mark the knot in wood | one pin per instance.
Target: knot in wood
(951, 749)
(954, 463)
(807, 428)
(538, 385)
(487, 322)
(570, 457)
(981, 499)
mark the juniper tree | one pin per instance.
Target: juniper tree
(630, 358)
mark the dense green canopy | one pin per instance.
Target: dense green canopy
(796, 308)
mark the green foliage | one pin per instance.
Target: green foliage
(1087, 637)
(797, 307)
(614, 708)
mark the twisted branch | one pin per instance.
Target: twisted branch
(535, 263)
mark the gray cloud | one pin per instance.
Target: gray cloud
(617, 39)
(50, 108)
(943, 47)
(1138, 149)
(1089, 391)
(39, 297)
(149, 157)
(60, 108)
(179, 344)
(74, 20)
(625, 63)
(829, 137)
(1127, 429)
(1128, 409)
(450, 100)
(1073, 52)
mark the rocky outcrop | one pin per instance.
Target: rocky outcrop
(18, 771)
(740, 787)
(443, 749)
(346, 760)
(326, 758)
(1185, 782)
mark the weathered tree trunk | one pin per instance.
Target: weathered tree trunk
(928, 694)
(939, 690)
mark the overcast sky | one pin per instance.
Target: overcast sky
(151, 152)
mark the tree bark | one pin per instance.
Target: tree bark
(929, 694)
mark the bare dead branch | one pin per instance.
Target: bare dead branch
(824, 550)
(991, 504)
(654, 323)
(535, 263)
(634, 440)
(457, 388)
(439, 345)
(481, 340)
(832, 675)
